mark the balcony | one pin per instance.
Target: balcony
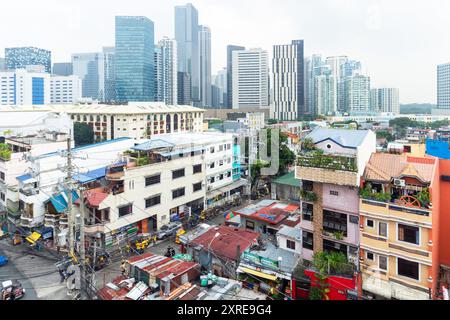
(95, 228)
(308, 196)
(324, 168)
(395, 210)
(51, 220)
(29, 192)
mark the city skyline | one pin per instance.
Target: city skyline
(384, 36)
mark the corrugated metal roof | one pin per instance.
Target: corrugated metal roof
(344, 137)
(288, 179)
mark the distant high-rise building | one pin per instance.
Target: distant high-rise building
(19, 58)
(215, 97)
(184, 88)
(90, 68)
(288, 81)
(166, 71)
(312, 68)
(62, 69)
(187, 38)
(25, 86)
(134, 59)
(357, 93)
(250, 78)
(204, 44)
(230, 49)
(220, 81)
(443, 86)
(65, 89)
(2, 64)
(109, 54)
(325, 93)
(385, 100)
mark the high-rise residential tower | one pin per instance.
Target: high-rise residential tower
(385, 100)
(312, 68)
(90, 68)
(2, 64)
(110, 76)
(443, 87)
(357, 93)
(134, 63)
(250, 78)
(230, 49)
(325, 98)
(166, 71)
(186, 36)
(288, 81)
(204, 43)
(19, 58)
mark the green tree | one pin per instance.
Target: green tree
(385, 134)
(83, 134)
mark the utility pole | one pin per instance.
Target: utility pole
(250, 153)
(70, 219)
(83, 269)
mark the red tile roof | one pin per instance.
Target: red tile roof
(94, 197)
(225, 245)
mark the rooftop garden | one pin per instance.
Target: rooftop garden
(5, 152)
(318, 159)
(309, 196)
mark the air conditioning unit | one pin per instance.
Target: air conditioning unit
(399, 183)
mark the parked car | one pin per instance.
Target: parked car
(3, 260)
(168, 230)
(11, 287)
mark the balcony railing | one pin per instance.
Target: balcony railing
(317, 159)
(396, 207)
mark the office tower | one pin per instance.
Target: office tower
(187, 37)
(65, 89)
(288, 81)
(325, 93)
(312, 69)
(109, 54)
(90, 68)
(357, 93)
(166, 71)
(62, 69)
(19, 58)
(220, 81)
(250, 78)
(184, 88)
(443, 86)
(29, 86)
(2, 64)
(230, 49)
(385, 100)
(215, 97)
(134, 60)
(204, 44)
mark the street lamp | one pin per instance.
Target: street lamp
(209, 248)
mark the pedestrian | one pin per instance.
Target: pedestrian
(61, 274)
(123, 268)
(58, 248)
(154, 239)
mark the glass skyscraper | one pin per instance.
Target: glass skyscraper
(134, 59)
(19, 58)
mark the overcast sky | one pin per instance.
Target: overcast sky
(399, 42)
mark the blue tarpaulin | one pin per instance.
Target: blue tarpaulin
(90, 176)
(60, 201)
(24, 177)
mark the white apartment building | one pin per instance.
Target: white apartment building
(42, 193)
(288, 81)
(164, 179)
(385, 100)
(325, 91)
(29, 86)
(250, 78)
(443, 86)
(357, 93)
(65, 89)
(166, 71)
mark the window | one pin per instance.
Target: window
(151, 180)
(353, 219)
(382, 229)
(212, 165)
(197, 186)
(178, 173)
(250, 225)
(334, 193)
(382, 262)
(197, 168)
(152, 201)
(178, 193)
(290, 244)
(308, 240)
(408, 234)
(125, 210)
(408, 269)
(211, 150)
(2, 176)
(369, 223)
(369, 255)
(2, 196)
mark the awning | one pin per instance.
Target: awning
(26, 178)
(232, 186)
(33, 237)
(258, 273)
(60, 201)
(90, 175)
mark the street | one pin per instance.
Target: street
(34, 269)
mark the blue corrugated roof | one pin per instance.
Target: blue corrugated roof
(91, 175)
(153, 144)
(60, 200)
(345, 138)
(24, 177)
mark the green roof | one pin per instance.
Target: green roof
(288, 179)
